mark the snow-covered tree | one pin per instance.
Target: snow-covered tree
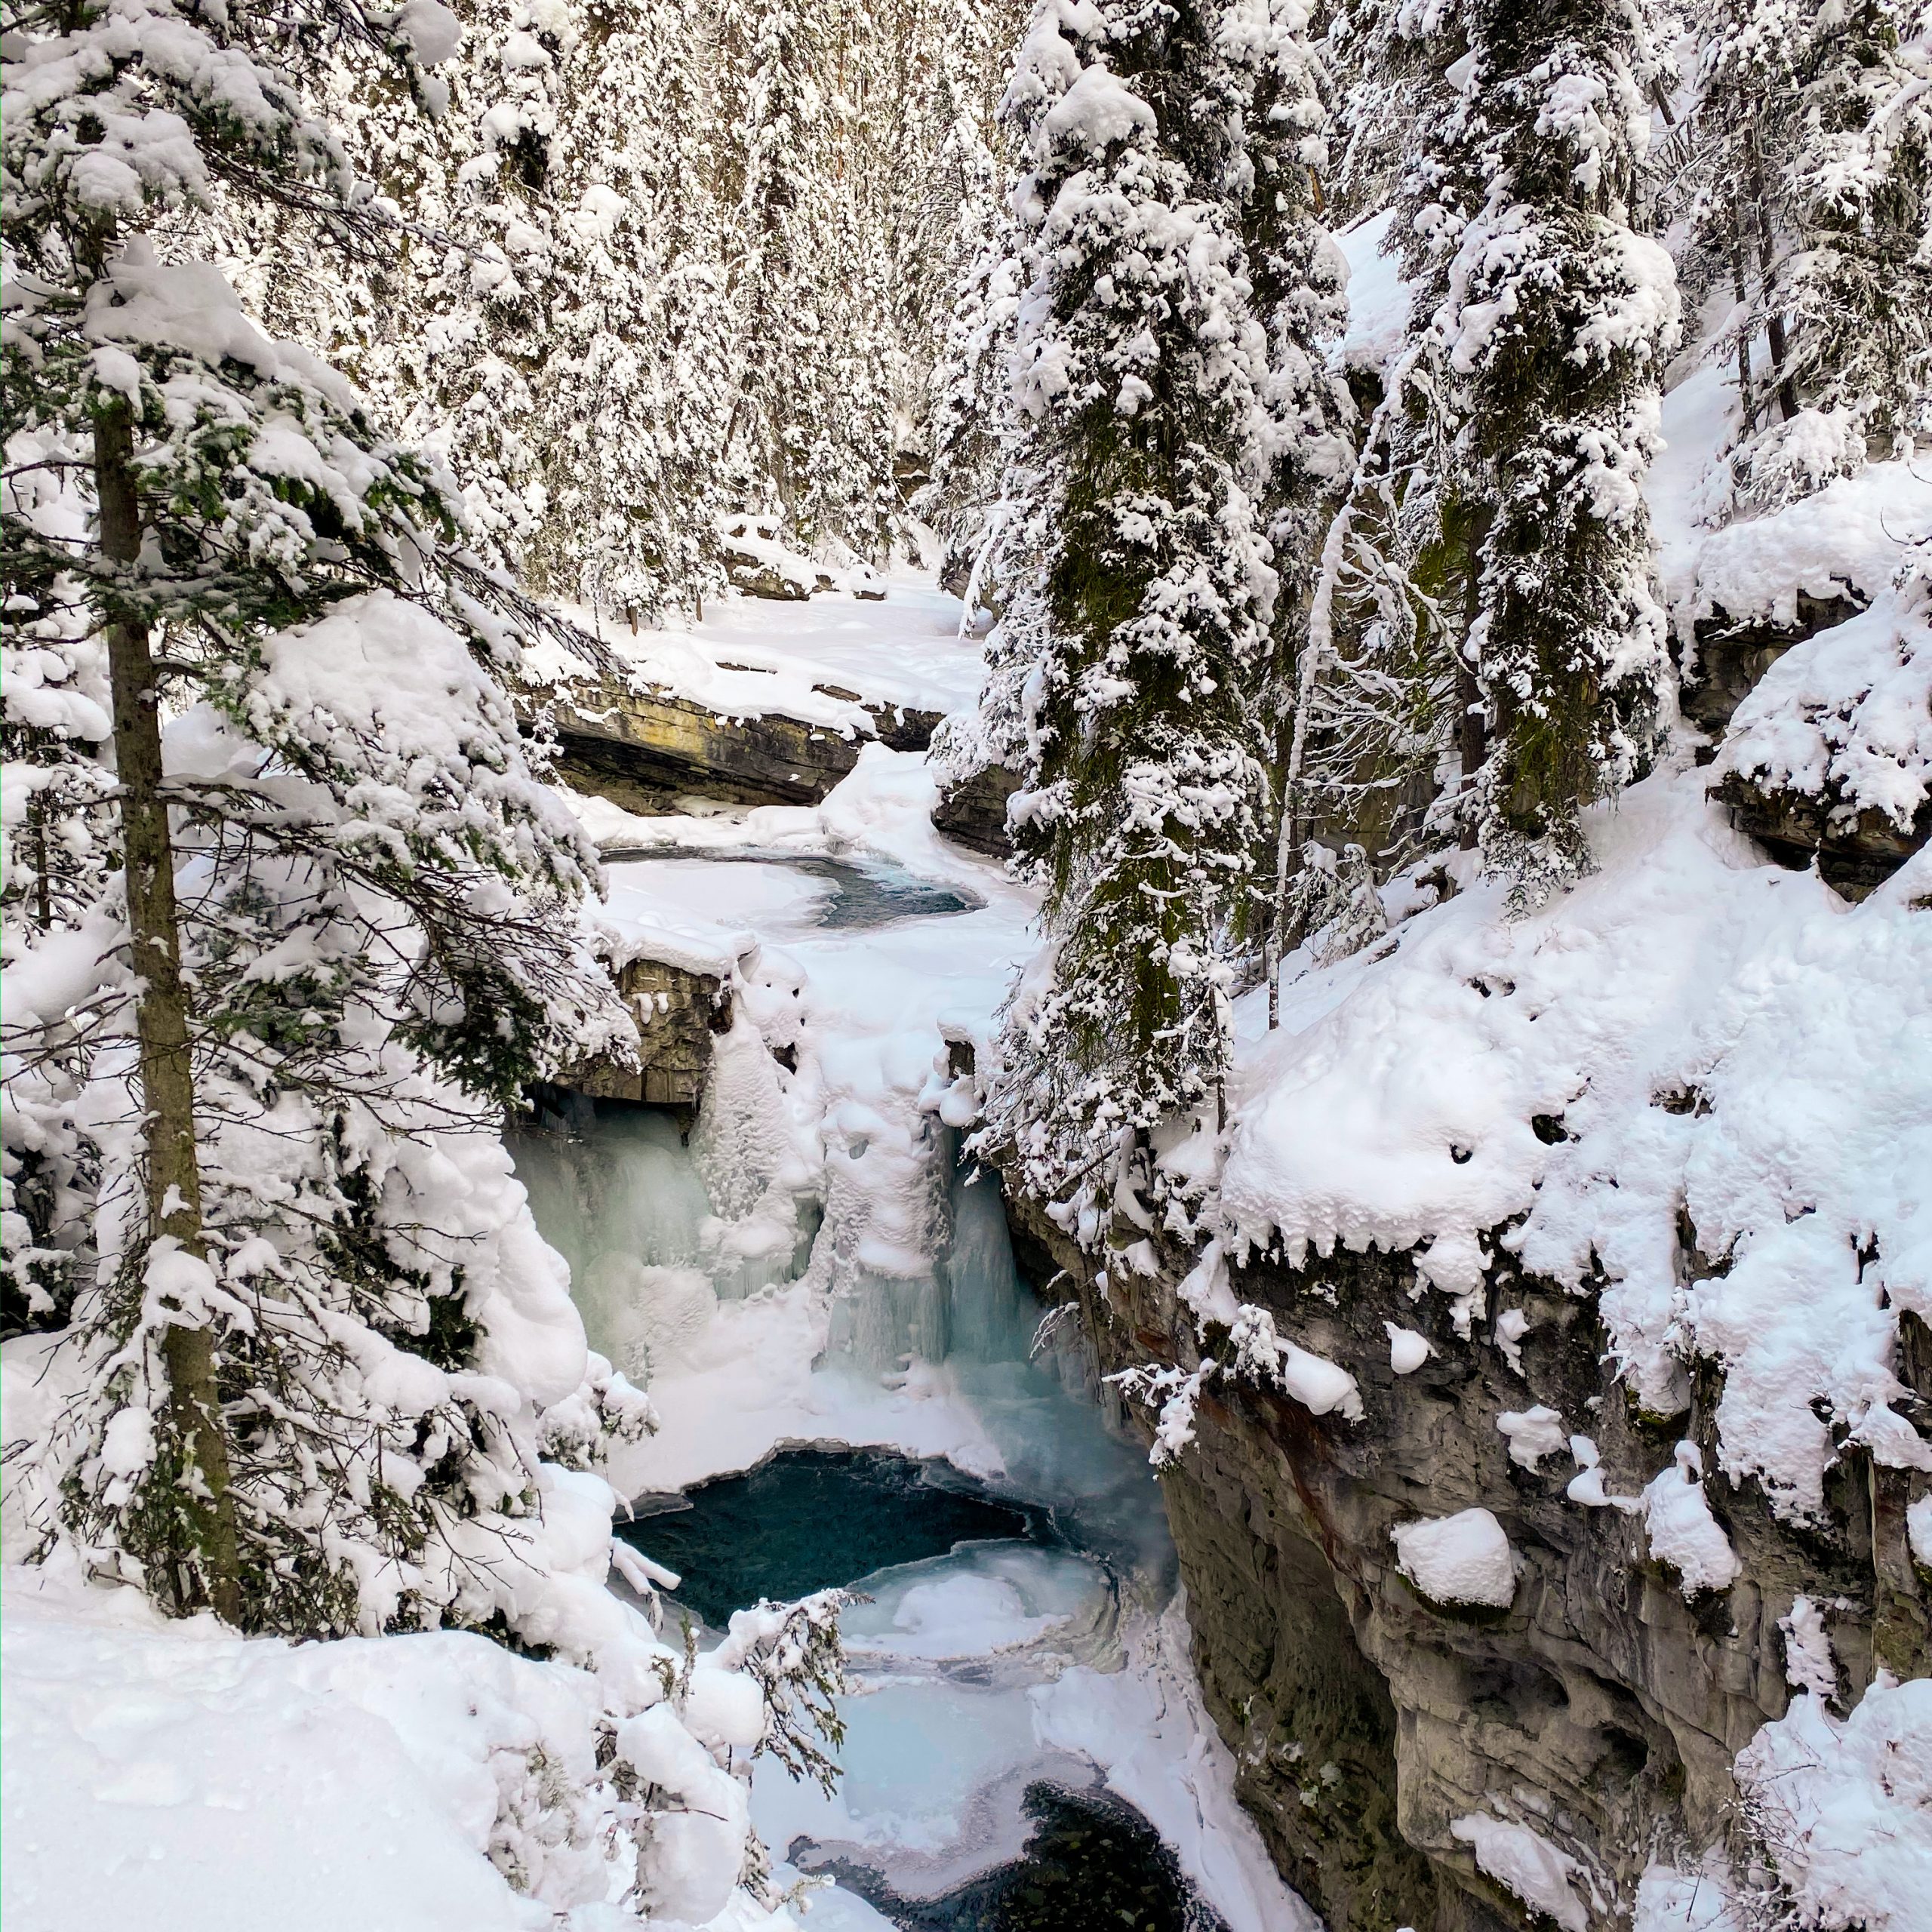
(553, 311)
(1271, 85)
(1811, 194)
(966, 412)
(636, 390)
(773, 117)
(1546, 312)
(264, 1055)
(1136, 373)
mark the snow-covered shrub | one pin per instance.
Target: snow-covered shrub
(1840, 1810)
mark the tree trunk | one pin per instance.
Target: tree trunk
(1472, 739)
(1747, 407)
(207, 1571)
(1774, 331)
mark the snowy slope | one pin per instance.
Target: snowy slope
(751, 655)
(1711, 1033)
(168, 1776)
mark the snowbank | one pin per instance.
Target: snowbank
(1845, 539)
(821, 661)
(1845, 1806)
(1529, 1865)
(1378, 297)
(176, 1776)
(1728, 1041)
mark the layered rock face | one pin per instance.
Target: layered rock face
(645, 749)
(1600, 1709)
(676, 1013)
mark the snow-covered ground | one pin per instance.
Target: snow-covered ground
(750, 655)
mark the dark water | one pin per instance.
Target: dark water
(814, 1519)
(1092, 1864)
(865, 893)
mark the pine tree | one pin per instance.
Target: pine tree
(1272, 88)
(1812, 149)
(1860, 297)
(1135, 371)
(273, 1043)
(1546, 314)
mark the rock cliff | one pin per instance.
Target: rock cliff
(1602, 1709)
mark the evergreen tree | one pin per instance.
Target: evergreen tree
(976, 240)
(1136, 367)
(1546, 314)
(254, 1068)
(635, 397)
(777, 241)
(1272, 88)
(1810, 193)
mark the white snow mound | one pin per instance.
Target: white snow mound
(1462, 1558)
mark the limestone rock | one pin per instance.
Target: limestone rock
(1599, 1712)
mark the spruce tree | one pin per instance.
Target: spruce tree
(1809, 194)
(635, 394)
(322, 930)
(1136, 370)
(972, 247)
(1272, 88)
(1546, 313)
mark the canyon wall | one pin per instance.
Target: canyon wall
(1602, 1709)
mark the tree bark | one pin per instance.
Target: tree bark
(1784, 388)
(207, 1572)
(1747, 405)
(1472, 739)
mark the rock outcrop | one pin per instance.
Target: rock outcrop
(678, 1013)
(1854, 851)
(645, 749)
(1600, 1709)
(1731, 656)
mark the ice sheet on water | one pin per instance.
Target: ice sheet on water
(996, 1597)
(934, 1772)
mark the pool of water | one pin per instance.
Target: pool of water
(815, 1519)
(846, 895)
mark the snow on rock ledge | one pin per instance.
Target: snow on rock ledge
(1526, 1862)
(1738, 1050)
(1683, 1532)
(1463, 1558)
(1845, 718)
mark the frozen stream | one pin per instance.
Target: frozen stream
(822, 1300)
